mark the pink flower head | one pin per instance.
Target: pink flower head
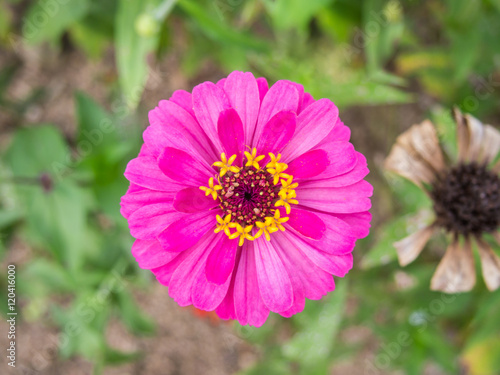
(246, 199)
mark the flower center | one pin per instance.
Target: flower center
(248, 196)
(467, 200)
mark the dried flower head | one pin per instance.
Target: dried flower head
(465, 196)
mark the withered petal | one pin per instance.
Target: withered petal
(463, 136)
(405, 160)
(425, 141)
(410, 247)
(491, 144)
(455, 273)
(490, 264)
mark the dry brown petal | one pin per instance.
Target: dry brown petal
(476, 136)
(490, 264)
(425, 141)
(406, 157)
(491, 144)
(409, 248)
(455, 273)
(463, 136)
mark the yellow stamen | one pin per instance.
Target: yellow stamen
(287, 186)
(225, 165)
(276, 169)
(265, 228)
(241, 232)
(277, 221)
(287, 200)
(253, 159)
(211, 189)
(223, 224)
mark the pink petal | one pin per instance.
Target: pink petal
(307, 100)
(185, 275)
(144, 171)
(173, 126)
(131, 202)
(282, 96)
(308, 165)
(339, 133)
(263, 87)
(248, 304)
(145, 151)
(220, 262)
(277, 133)
(307, 223)
(315, 282)
(313, 125)
(230, 130)
(221, 82)
(337, 265)
(182, 167)
(274, 283)
(225, 310)
(187, 231)
(344, 200)
(356, 174)
(183, 99)
(359, 222)
(337, 236)
(192, 199)
(209, 101)
(243, 94)
(149, 221)
(149, 254)
(164, 273)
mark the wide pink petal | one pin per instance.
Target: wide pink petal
(337, 265)
(248, 304)
(337, 237)
(307, 224)
(149, 254)
(225, 310)
(315, 281)
(230, 130)
(307, 100)
(185, 275)
(359, 222)
(183, 99)
(182, 167)
(263, 87)
(277, 133)
(144, 171)
(309, 165)
(274, 282)
(243, 94)
(339, 133)
(191, 199)
(347, 199)
(209, 101)
(187, 231)
(132, 201)
(220, 262)
(356, 174)
(149, 221)
(282, 96)
(173, 126)
(313, 125)
(164, 273)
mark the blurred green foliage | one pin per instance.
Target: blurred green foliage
(61, 194)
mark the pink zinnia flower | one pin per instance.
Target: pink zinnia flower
(245, 199)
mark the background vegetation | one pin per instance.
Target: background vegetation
(60, 184)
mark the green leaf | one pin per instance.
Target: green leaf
(133, 318)
(10, 217)
(36, 150)
(220, 32)
(312, 345)
(288, 14)
(47, 20)
(132, 48)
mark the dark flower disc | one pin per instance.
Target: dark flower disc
(467, 200)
